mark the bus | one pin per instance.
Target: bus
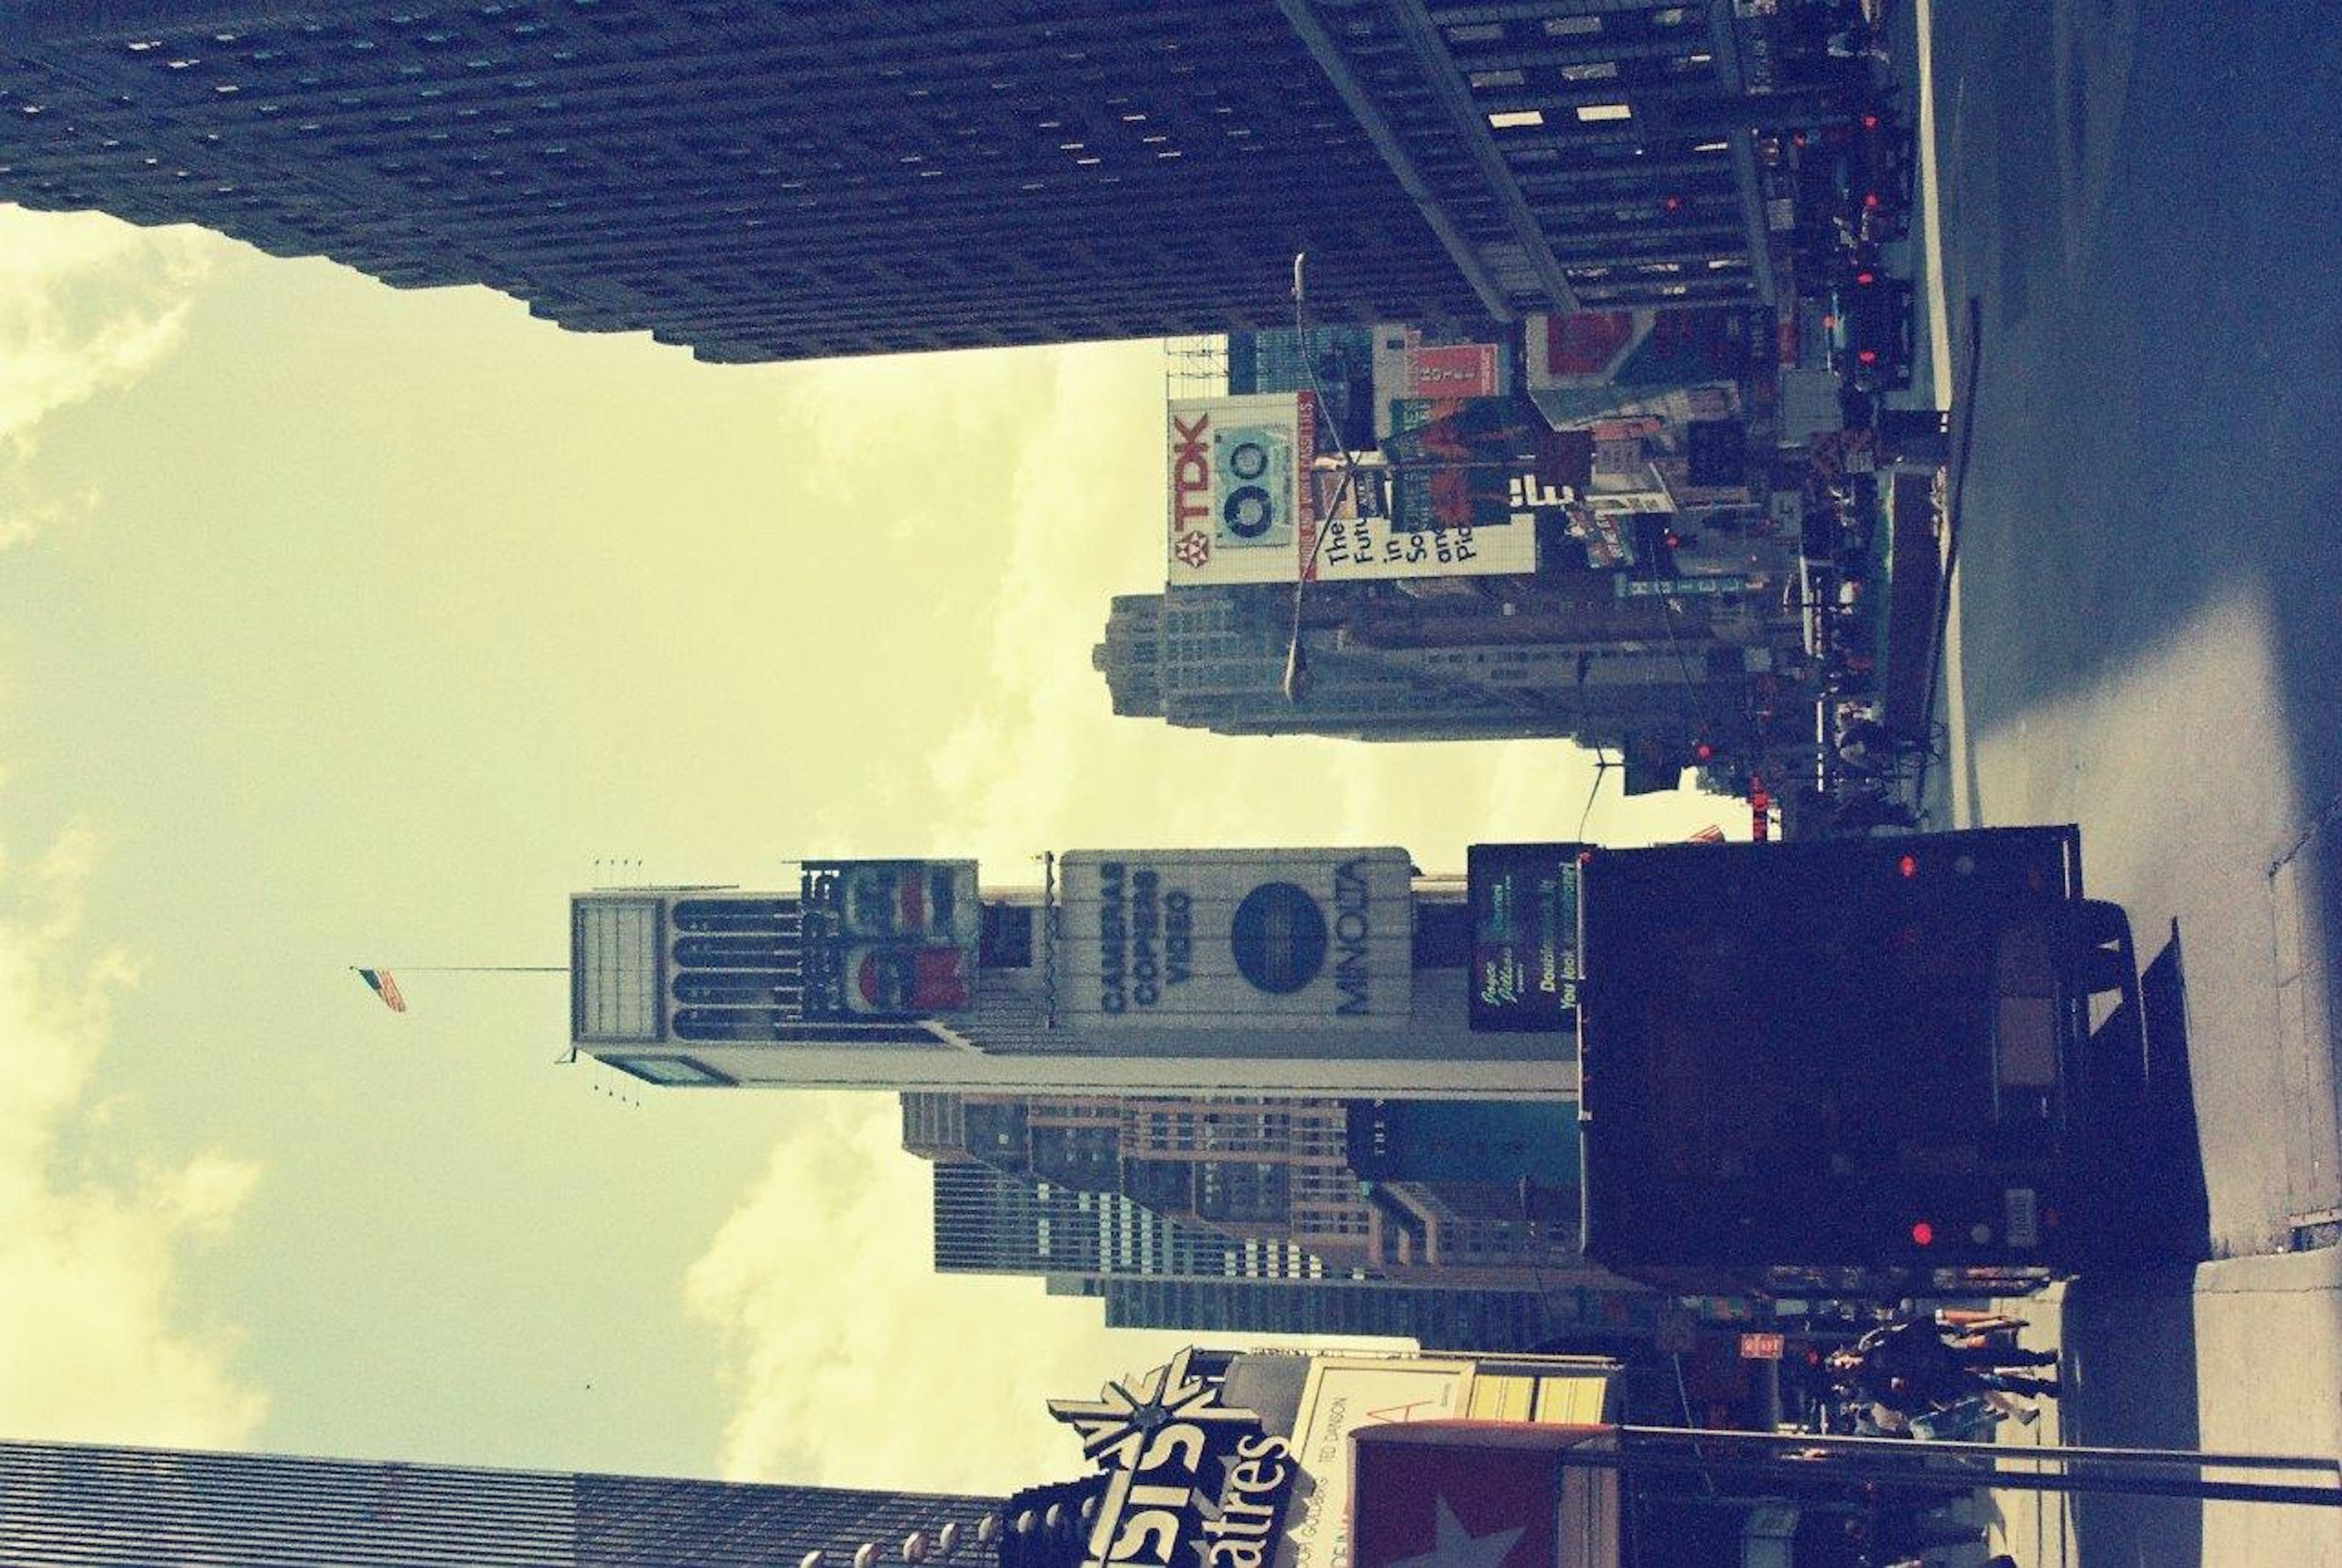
(1862, 1062)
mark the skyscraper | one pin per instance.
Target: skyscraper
(771, 181)
(1572, 659)
(1251, 1187)
(74, 1503)
(1285, 972)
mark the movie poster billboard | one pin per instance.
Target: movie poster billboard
(1217, 939)
(889, 939)
(1525, 947)
(1240, 504)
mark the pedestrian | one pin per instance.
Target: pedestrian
(1910, 1366)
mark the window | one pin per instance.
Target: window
(672, 1071)
(1007, 941)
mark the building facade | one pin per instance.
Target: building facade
(1270, 972)
(1574, 1318)
(770, 182)
(74, 1503)
(1566, 660)
(1246, 1187)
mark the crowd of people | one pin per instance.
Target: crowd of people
(1937, 1374)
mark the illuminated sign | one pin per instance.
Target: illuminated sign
(890, 938)
(1525, 953)
(1190, 1480)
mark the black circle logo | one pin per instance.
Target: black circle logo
(1248, 460)
(1278, 938)
(1248, 512)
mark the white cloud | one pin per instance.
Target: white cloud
(93, 1344)
(853, 1363)
(87, 305)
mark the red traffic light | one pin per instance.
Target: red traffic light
(1907, 866)
(1869, 356)
(1704, 752)
(1923, 1235)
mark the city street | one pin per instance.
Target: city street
(2137, 197)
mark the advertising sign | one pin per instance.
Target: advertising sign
(1684, 587)
(1453, 1494)
(1454, 370)
(1361, 549)
(1525, 953)
(1347, 1394)
(1334, 363)
(1190, 1483)
(1214, 939)
(889, 939)
(1237, 472)
(1611, 353)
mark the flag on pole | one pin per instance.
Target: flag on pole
(1711, 833)
(384, 987)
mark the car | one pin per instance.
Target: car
(1869, 321)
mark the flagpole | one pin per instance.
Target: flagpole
(465, 968)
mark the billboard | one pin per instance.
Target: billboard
(1190, 1480)
(1212, 939)
(1334, 363)
(1456, 460)
(1358, 540)
(1451, 1493)
(1524, 951)
(889, 939)
(1347, 1394)
(1239, 507)
(1454, 370)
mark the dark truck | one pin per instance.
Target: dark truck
(1856, 1064)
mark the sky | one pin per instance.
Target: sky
(345, 625)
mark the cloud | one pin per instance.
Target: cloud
(87, 305)
(851, 1362)
(93, 1344)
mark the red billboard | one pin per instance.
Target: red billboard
(1495, 1494)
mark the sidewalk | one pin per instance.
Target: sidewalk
(2241, 1356)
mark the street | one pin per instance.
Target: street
(2137, 198)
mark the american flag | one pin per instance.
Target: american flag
(1711, 833)
(384, 987)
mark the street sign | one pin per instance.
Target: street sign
(1761, 1346)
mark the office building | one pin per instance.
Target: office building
(990, 1221)
(1569, 1317)
(1254, 972)
(1265, 1186)
(770, 182)
(1571, 660)
(76, 1503)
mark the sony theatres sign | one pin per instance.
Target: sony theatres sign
(1190, 1480)
(1221, 938)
